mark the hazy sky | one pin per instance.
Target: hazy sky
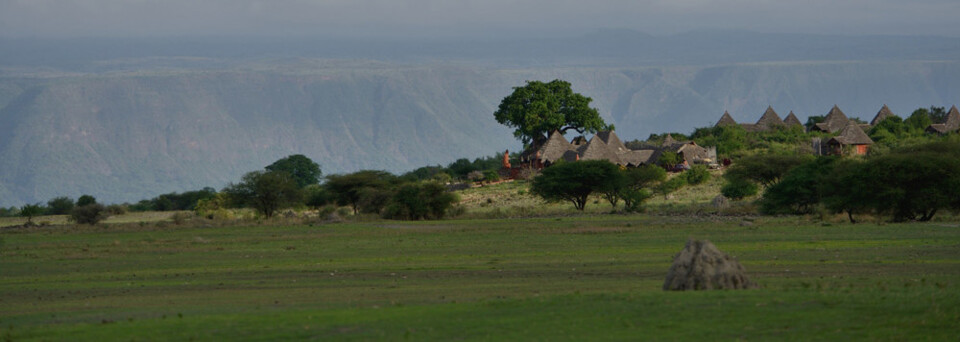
(477, 18)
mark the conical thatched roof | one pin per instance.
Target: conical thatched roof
(668, 141)
(881, 115)
(611, 139)
(596, 149)
(769, 119)
(953, 119)
(834, 121)
(726, 120)
(851, 134)
(554, 148)
(951, 124)
(791, 120)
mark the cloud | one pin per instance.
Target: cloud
(60, 18)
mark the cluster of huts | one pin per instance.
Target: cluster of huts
(605, 145)
(851, 137)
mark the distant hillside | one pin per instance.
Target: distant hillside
(141, 131)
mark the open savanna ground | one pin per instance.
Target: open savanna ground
(576, 277)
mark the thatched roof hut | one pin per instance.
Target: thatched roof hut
(596, 149)
(882, 115)
(726, 120)
(833, 122)
(851, 137)
(555, 147)
(791, 120)
(611, 139)
(769, 119)
(951, 124)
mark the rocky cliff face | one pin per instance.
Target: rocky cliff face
(124, 136)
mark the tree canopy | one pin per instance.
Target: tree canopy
(539, 108)
(575, 181)
(303, 170)
(267, 192)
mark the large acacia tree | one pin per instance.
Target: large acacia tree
(539, 108)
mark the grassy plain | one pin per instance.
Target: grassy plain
(584, 277)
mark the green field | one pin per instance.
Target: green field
(578, 278)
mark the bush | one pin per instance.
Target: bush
(491, 176)
(373, 200)
(60, 206)
(32, 210)
(415, 201)
(181, 217)
(116, 209)
(86, 200)
(737, 189)
(698, 174)
(89, 214)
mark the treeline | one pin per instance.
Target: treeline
(294, 182)
(84, 210)
(733, 141)
(480, 169)
(908, 183)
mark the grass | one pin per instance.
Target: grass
(553, 278)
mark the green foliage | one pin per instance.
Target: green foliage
(9, 212)
(669, 159)
(911, 183)
(728, 139)
(347, 188)
(424, 200)
(266, 192)
(89, 214)
(638, 181)
(116, 209)
(919, 120)
(765, 168)
(214, 208)
(799, 190)
(316, 196)
(698, 174)
(60, 205)
(737, 189)
(813, 120)
(32, 210)
(491, 176)
(86, 200)
(937, 114)
(303, 170)
(176, 201)
(538, 108)
(574, 181)
(372, 200)
(916, 184)
(671, 185)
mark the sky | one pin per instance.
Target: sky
(467, 18)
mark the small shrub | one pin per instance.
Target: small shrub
(698, 174)
(89, 214)
(528, 173)
(181, 218)
(116, 209)
(475, 176)
(737, 189)
(491, 176)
